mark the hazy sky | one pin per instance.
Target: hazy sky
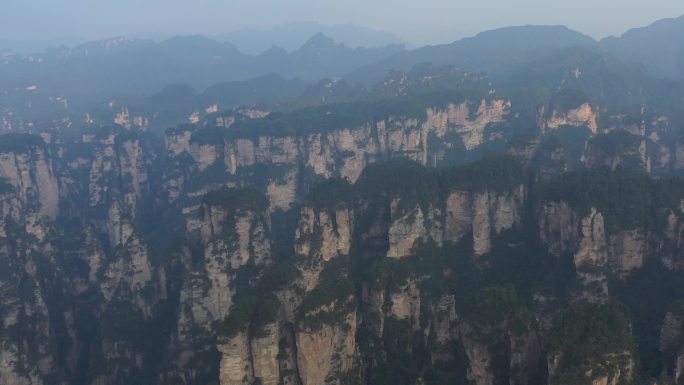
(420, 22)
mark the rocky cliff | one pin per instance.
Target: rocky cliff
(277, 250)
(482, 214)
(26, 164)
(241, 152)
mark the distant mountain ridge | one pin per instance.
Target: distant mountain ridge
(293, 35)
(490, 51)
(124, 66)
(64, 84)
(659, 47)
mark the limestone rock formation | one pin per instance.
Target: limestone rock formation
(582, 116)
(483, 214)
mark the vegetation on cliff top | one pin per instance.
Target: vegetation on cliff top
(406, 180)
(627, 199)
(208, 135)
(492, 306)
(330, 194)
(349, 114)
(618, 144)
(590, 336)
(279, 276)
(249, 312)
(567, 100)
(5, 186)
(494, 173)
(20, 142)
(237, 199)
(328, 303)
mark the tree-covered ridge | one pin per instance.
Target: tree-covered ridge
(491, 306)
(246, 199)
(280, 276)
(20, 143)
(408, 181)
(582, 74)
(590, 340)
(208, 135)
(494, 173)
(566, 100)
(249, 314)
(5, 186)
(328, 303)
(426, 78)
(627, 199)
(346, 114)
(587, 330)
(330, 194)
(618, 144)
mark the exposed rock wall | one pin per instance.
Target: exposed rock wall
(235, 366)
(321, 236)
(342, 152)
(412, 226)
(231, 239)
(9, 361)
(30, 171)
(328, 354)
(106, 192)
(483, 214)
(627, 251)
(498, 353)
(582, 116)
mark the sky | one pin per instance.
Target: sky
(418, 21)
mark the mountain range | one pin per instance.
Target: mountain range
(59, 81)
(293, 35)
(504, 209)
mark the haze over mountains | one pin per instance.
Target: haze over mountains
(73, 79)
(132, 66)
(504, 209)
(293, 35)
(288, 36)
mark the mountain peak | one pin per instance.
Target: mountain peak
(536, 35)
(319, 40)
(110, 44)
(275, 51)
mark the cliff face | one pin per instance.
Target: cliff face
(597, 252)
(343, 152)
(114, 249)
(484, 214)
(581, 116)
(506, 347)
(520, 356)
(612, 363)
(328, 352)
(117, 166)
(232, 237)
(87, 193)
(28, 168)
(412, 226)
(235, 362)
(22, 248)
(562, 230)
(321, 347)
(321, 236)
(246, 360)
(627, 251)
(672, 346)
(592, 256)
